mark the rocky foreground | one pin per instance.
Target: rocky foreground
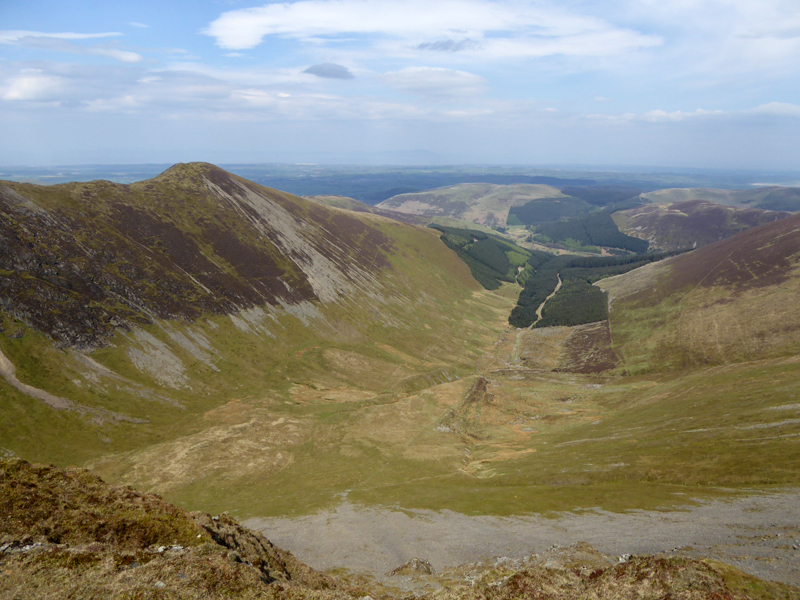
(67, 534)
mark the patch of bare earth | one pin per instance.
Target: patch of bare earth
(588, 350)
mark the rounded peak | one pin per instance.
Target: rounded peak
(194, 175)
(191, 168)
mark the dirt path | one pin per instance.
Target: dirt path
(541, 306)
(759, 534)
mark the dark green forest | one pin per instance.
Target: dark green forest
(547, 210)
(577, 301)
(491, 259)
(593, 229)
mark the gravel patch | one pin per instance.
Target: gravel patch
(759, 534)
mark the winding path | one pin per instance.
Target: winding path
(541, 306)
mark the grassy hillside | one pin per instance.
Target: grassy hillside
(395, 380)
(131, 313)
(356, 206)
(729, 302)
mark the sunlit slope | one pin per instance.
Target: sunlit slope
(356, 206)
(482, 203)
(131, 313)
(690, 224)
(732, 301)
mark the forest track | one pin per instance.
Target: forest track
(538, 318)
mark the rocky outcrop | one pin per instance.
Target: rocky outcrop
(67, 534)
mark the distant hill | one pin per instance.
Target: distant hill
(764, 198)
(482, 203)
(356, 206)
(731, 301)
(688, 224)
(547, 210)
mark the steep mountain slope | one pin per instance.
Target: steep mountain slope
(689, 224)
(82, 259)
(130, 313)
(732, 301)
(482, 203)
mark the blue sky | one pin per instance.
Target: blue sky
(672, 83)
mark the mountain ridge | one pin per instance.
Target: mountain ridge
(204, 258)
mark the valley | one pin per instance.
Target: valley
(292, 362)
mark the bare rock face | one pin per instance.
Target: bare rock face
(252, 548)
(416, 566)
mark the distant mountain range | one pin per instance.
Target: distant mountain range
(667, 219)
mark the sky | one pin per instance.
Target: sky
(666, 83)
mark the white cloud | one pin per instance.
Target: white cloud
(778, 109)
(436, 82)
(61, 42)
(120, 55)
(772, 109)
(661, 116)
(11, 37)
(720, 38)
(246, 28)
(498, 29)
(140, 25)
(32, 86)
(121, 104)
